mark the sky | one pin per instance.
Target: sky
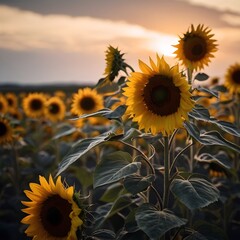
(59, 41)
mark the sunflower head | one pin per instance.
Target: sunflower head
(34, 104)
(86, 101)
(232, 78)
(196, 47)
(52, 212)
(3, 104)
(114, 63)
(55, 109)
(158, 98)
(6, 131)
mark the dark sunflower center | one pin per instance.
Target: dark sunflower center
(54, 216)
(194, 48)
(161, 96)
(1, 106)
(10, 101)
(236, 76)
(54, 108)
(87, 103)
(36, 104)
(3, 129)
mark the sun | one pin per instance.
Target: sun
(163, 45)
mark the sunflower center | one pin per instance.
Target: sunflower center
(36, 104)
(236, 76)
(195, 48)
(10, 101)
(87, 103)
(161, 96)
(54, 216)
(1, 106)
(3, 129)
(54, 108)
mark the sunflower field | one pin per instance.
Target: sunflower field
(150, 154)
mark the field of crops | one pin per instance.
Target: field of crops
(152, 154)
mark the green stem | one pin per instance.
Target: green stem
(166, 172)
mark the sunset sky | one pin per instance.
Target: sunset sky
(59, 41)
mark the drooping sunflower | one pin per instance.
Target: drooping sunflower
(6, 131)
(196, 47)
(158, 98)
(55, 109)
(52, 212)
(34, 104)
(3, 104)
(232, 78)
(86, 101)
(114, 63)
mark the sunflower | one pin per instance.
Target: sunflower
(52, 212)
(12, 100)
(3, 104)
(158, 98)
(6, 131)
(86, 101)
(55, 109)
(34, 104)
(114, 63)
(232, 78)
(196, 46)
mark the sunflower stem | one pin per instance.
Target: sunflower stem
(166, 172)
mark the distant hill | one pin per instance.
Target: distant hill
(17, 88)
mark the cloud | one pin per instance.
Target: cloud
(24, 30)
(222, 5)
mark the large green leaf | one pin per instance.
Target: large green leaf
(114, 167)
(226, 126)
(220, 158)
(108, 113)
(156, 223)
(136, 184)
(194, 193)
(209, 138)
(200, 113)
(79, 149)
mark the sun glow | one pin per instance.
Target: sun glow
(164, 45)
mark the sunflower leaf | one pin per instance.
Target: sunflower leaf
(107, 113)
(226, 126)
(220, 158)
(156, 223)
(201, 77)
(212, 92)
(79, 149)
(136, 184)
(114, 167)
(200, 113)
(194, 193)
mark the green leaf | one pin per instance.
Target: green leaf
(114, 167)
(209, 138)
(112, 192)
(220, 158)
(136, 184)
(65, 131)
(194, 193)
(200, 113)
(108, 113)
(85, 176)
(215, 138)
(226, 126)
(201, 77)
(156, 223)
(111, 209)
(79, 149)
(212, 92)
